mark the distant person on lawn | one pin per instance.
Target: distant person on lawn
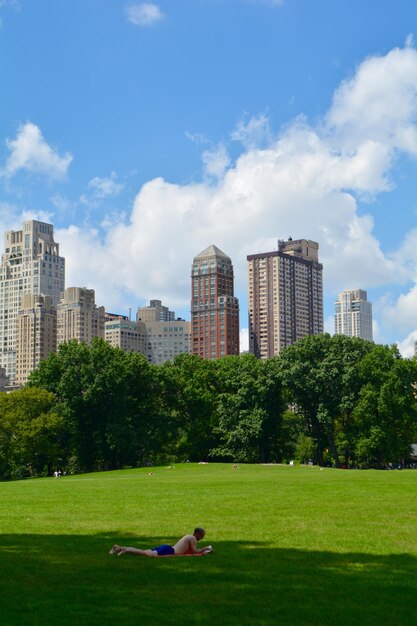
(186, 546)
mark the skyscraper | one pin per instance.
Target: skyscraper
(214, 309)
(353, 314)
(78, 316)
(285, 296)
(35, 334)
(31, 265)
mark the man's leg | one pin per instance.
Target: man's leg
(115, 549)
(128, 550)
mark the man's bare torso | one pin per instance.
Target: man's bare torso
(186, 545)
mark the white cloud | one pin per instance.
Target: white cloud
(244, 340)
(29, 151)
(253, 132)
(105, 187)
(378, 104)
(303, 182)
(216, 161)
(64, 205)
(42, 216)
(406, 346)
(144, 14)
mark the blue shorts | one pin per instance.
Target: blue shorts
(164, 550)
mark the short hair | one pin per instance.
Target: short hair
(199, 531)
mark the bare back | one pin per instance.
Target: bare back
(186, 545)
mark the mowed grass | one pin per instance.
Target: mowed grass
(293, 545)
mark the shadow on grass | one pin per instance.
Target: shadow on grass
(59, 580)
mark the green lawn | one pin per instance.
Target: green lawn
(293, 545)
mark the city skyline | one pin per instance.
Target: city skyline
(143, 142)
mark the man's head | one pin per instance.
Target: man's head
(199, 533)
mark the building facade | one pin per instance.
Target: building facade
(36, 335)
(214, 308)
(78, 317)
(353, 314)
(31, 265)
(127, 335)
(285, 298)
(4, 379)
(155, 312)
(166, 340)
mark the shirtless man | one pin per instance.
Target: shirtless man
(185, 546)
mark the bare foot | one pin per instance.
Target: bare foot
(115, 549)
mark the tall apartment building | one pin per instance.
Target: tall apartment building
(214, 308)
(285, 296)
(35, 334)
(78, 317)
(30, 264)
(353, 314)
(155, 312)
(166, 340)
(127, 335)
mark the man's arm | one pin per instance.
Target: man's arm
(196, 550)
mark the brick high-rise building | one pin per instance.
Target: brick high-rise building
(35, 334)
(353, 314)
(214, 308)
(285, 296)
(31, 265)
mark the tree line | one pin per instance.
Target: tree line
(331, 400)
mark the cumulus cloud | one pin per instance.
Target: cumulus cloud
(216, 161)
(303, 182)
(105, 187)
(253, 132)
(378, 104)
(406, 346)
(144, 14)
(29, 151)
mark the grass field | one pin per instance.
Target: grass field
(293, 545)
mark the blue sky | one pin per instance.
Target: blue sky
(146, 131)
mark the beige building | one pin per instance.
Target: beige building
(285, 296)
(35, 334)
(127, 335)
(157, 341)
(353, 314)
(78, 317)
(155, 312)
(31, 265)
(166, 340)
(214, 308)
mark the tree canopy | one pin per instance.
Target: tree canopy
(332, 400)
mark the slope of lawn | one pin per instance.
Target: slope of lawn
(293, 545)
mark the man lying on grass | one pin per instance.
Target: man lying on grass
(186, 546)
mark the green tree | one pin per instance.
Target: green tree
(322, 378)
(385, 415)
(249, 408)
(107, 397)
(190, 385)
(31, 433)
